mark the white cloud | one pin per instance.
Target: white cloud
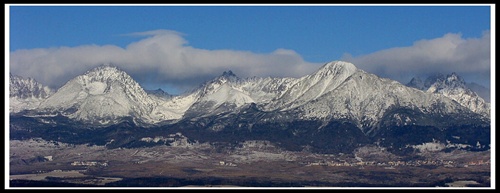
(163, 57)
(470, 58)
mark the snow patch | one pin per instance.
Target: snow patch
(96, 88)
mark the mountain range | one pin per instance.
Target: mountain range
(334, 109)
(454, 87)
(26, 93)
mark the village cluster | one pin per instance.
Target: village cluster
(391, 164)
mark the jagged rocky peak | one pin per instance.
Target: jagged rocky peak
(99, 80)
(429, 81)
(159, 93)
(337, 89)
(27, 88)
(438, 82)
(227, 76)
(417, 83)
(480, 90)
(453, 86)
(211, 85)
(454, 80)
(101, 95)
(228, 73)
(26, 93)
(451, 81)
(106, 72)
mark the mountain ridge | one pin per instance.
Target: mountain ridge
(336, 109)
(454, 87)
(336, 90)
(26, 93)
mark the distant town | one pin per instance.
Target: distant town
(392, 164)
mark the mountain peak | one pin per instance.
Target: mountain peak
(101, 94)
(158, 92)
(450, 81)
(336, 69)
(454, 87)
(27, 88)
(227, 76)
(106, 73)
(416, 82)
(454, 78)
(104, 68)
(429, 81)
(339, 64)
(439, 81)
(228, 73)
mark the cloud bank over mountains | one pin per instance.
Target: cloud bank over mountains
(470, 58)
(164, 57)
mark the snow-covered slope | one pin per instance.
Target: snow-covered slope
(26, 93)
(313, 86)
(102, 95)
(480, 90)
(173, 108)
(222, 94)
(337, 90)
(453, 87)
(365, 98)
(159, 94)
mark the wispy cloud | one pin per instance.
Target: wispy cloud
(470, 58)
(163, 57)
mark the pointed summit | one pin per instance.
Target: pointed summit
(337, 68)
(325, 79)
(417, 83)
(159, 93)
(339, 63)
(228, 73)
(212, 85)
(105, 73)
(454, 80)
(101, 94)
(227, 76)
(429, 81)
(448, 82)
(336, 71)
(454, 87)
(26, 93)
(27, 88)
(438, 81)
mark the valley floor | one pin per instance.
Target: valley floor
(39, 163)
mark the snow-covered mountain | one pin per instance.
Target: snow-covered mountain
(219, 95)
(480, 90)
(336, 109)
(337, 90)
(366, 99)
(26, 93)
(159, 93)
(454, 87)
(313, 86)
(102, 95)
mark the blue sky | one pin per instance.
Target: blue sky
(256, 40)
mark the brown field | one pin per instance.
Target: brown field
(248, 167)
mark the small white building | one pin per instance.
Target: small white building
(49, 157)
